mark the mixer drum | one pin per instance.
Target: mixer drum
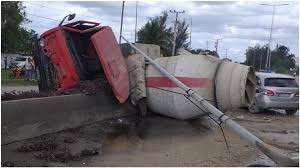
(224, 84)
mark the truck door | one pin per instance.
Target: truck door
(112, 61)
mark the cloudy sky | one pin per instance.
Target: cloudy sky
(238, 23)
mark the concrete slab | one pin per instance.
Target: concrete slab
(27, 118)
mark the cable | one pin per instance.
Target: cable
(218, 123)
(43, 17)
(204, 110)
(184, 94)
(35, 4)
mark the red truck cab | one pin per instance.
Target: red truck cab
(83, 50)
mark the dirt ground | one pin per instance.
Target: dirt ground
(163, 142)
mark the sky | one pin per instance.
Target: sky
(239, 24)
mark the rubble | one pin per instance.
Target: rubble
(8, 164)
(88, 87)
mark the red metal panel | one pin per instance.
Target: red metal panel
(56, 48)
(113, 62)
(70, 27)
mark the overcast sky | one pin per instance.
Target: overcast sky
(238, 23)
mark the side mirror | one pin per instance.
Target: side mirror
(71, 16)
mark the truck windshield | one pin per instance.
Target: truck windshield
(281, 82)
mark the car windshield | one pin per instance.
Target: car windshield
(20, 59)
(281, 82)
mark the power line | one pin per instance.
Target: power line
(35, 4)
(43, 17)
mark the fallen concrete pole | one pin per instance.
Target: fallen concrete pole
(28, 118)
(272, 152)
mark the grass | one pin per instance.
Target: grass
(6, 80)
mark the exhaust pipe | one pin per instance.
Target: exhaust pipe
(272, 152)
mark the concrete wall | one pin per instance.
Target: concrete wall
(153, 51)
(22, 119)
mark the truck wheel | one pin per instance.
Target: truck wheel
(291, 112)
(253, 108)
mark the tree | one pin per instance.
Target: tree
(181, 36)
(256, 56)
(203, 52)
(14, 37)
(281, 58)
(155, 31)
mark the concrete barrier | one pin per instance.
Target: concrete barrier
(153, 51)
(27, 118)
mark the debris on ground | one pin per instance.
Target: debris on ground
(167, 142)
(88, 87)
(7, 164)
(15, 95)
(89, 152)
(240, 117)
(56, 148)
(59, 155)
(43, 145)
(69, 140)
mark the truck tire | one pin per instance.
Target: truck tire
(291, 111)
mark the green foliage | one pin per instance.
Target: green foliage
(7, 80)
(182, 36)
(281, 58)
(203, 52)
(155, 31)
(14, 38)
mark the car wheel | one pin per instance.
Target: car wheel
(253, 108)
(291, 112)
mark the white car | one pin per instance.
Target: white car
(275, 91)
(20, 61)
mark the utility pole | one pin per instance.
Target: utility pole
(175, 30)
(216, 44)
(136, 6)
(226, 53)
(121, 22)
(268, 61)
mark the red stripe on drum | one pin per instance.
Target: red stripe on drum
(166, 82)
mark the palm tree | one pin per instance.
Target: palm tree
(182, 36)
(155, 31)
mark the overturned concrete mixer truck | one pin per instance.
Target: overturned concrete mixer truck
(82, 51)
(185, 86)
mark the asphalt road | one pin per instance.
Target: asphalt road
(163, 142)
